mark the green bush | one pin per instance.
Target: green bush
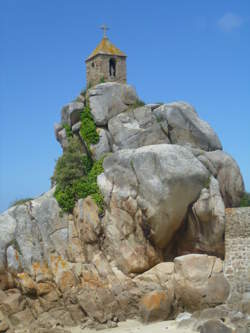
(76, 177)
(245, 200)
(102, 80)
(137, 104)
(68, 130)
(72, 165)
(88, 128)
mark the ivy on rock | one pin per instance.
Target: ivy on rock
(75, 177)
(88, 127)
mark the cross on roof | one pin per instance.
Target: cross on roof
(104, 28)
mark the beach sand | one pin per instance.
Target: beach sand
(134, 326)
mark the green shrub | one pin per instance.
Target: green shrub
(72, 165)
(137, 104)
(20, 202)
(102, 80)
(245, 200)
(88, 128)
(68, 130)
(76, 177)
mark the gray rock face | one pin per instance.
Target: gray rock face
(203, 231)
(164, 180)
(57, 129)
(70, 113)
(215, 326)
(136, 128)
(199, 281)
(109, 99)
(62, 138)
(103, 146)
(186, 128)
(39, 218)
(229, 177)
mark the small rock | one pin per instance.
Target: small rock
(214, 326)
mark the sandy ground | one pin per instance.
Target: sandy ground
(134, 326)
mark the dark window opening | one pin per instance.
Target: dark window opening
(112, 67)
(93, 64)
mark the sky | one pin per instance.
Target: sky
(194, 51)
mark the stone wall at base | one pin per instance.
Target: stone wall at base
(237, 259)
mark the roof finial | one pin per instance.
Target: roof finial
(104, 28)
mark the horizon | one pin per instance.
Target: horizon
(198, 53)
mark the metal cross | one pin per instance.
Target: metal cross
(104, 28)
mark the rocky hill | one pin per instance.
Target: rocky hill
(137, 230)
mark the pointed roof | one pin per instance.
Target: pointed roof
(106, 47)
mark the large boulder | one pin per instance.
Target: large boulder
(162, 179)
(31, 232)
(157, 292)
(199, 281)
(186, 128)
(62, 138)
(229, 177)
(71, 113)
(126, 243)
(109, 99)
(135, 128)
(204, 228)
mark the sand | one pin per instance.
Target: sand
(134, 326)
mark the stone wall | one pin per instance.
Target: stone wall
(237, 259)
(97, 69)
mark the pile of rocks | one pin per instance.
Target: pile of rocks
(158, 249)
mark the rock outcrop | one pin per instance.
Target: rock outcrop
(153, 252)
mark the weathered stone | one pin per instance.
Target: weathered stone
(215, 326)
(27, 285)
(13, 302)
(21, 318)
(87, 217)
(204, 228)
(136, 128)
(228, 176)
(199, 281)
(186, 128)
(164, 179)
(102, 147)
(237, 263)
(109, 99)
(76, 127)
(62, 138)
(70, 113)
(3, 323)
(125, 242)
(155, 305)
(57, 129)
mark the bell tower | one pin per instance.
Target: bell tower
(106, 63)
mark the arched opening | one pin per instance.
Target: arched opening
(112, 67)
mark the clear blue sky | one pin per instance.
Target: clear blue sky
(197, 51)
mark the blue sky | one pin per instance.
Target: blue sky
(196, 51)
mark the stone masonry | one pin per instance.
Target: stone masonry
(237, 258)
(98, 71)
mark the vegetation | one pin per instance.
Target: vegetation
(75, 176)
(137, 104)
(68, 130)
(20, 202)
(102, 80)
(245, 200)
(207, 183)
(88, 128)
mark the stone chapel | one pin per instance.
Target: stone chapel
(106, 63)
